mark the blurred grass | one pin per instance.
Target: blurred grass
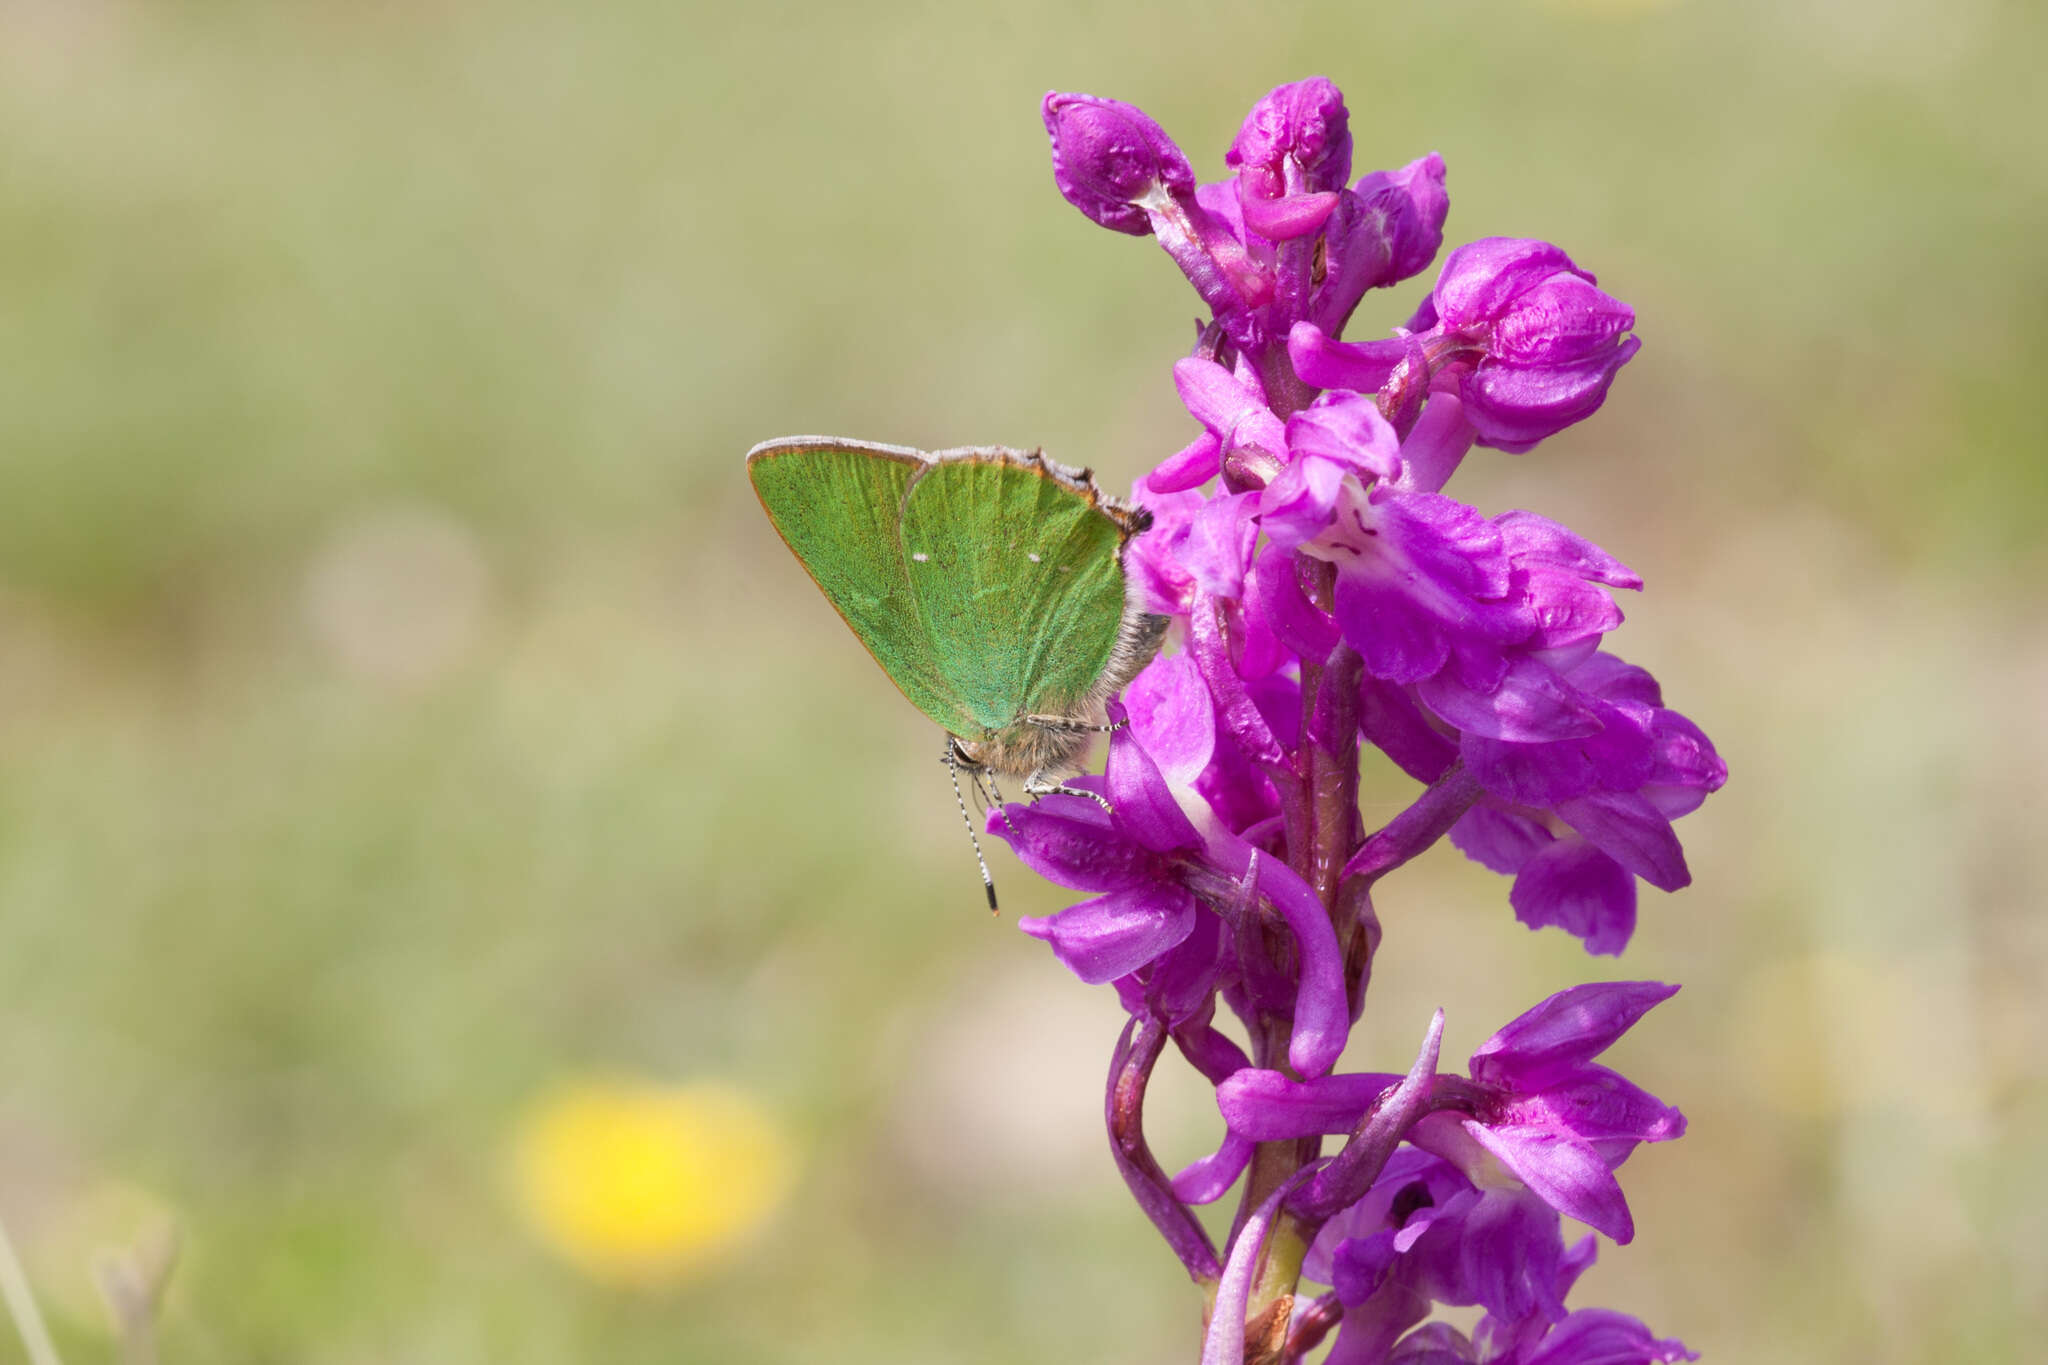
(319, 858)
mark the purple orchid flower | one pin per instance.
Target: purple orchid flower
(1383, 1291)
(1326, 593)
(1427, 590)
(1425, 1232)
(1534, 1106)
(1575, 822)
(1518, 332)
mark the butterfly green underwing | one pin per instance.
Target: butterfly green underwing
(987, 582)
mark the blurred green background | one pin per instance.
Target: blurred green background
(405, 710)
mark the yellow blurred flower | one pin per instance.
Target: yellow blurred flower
(642, 1184)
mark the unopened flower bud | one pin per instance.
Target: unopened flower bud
(1292, 157)
(1107, 156)
(1548, 342)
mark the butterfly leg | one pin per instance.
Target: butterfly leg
(1002, 807)
(1038, 785)
(1069, 725)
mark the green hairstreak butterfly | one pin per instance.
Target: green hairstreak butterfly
(988, 583)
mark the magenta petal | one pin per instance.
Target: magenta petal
(1274, 596)
(1073, 842)
(1289, 216)
(1173, 716)
(1436, 445)
(1266, 1106)
(1211, 393)
(1419, 233)
(1532, 538)
(1207, 1179)
(1445, 540)
(1481, 279)
(1152, 561)
(1193, 465)
(1207, 1050)
(1608, 678)
(1219, 544)
(1559, 322)
(1322, 1009)
(1348, 430)
(1181, 989)
(1498, 840)
(1393, 723)
(1601, 1106)
(1385, 229)
(1683, 756)
(1618, 758)
(1232, 411)
(1514, 407)
(1532, 705)
(1565, 1173)
(1575, 887)
(1237, 712)
(1103, 939)
(1145, 806)
(1326, 363)
(1239, 790)
(1563, 1033)
(1600, 1336)
(1433, 1343)
(1261, 652)
(1399, 640)
(1632, 831)
(1298, 504)
(1414, 572)
(1510, 1253)
(1566, 609)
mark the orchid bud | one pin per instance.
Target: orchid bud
(1112, 162)
(1292, 156)
(1548, 342)
(1384, 230)
(1108, 156)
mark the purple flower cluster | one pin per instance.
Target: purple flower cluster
(1329, 596)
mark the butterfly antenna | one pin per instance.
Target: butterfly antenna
(988, 883)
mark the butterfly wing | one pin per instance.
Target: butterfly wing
(1015, 569)
(836, 505)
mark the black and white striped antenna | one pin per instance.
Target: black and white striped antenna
(988, 883)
